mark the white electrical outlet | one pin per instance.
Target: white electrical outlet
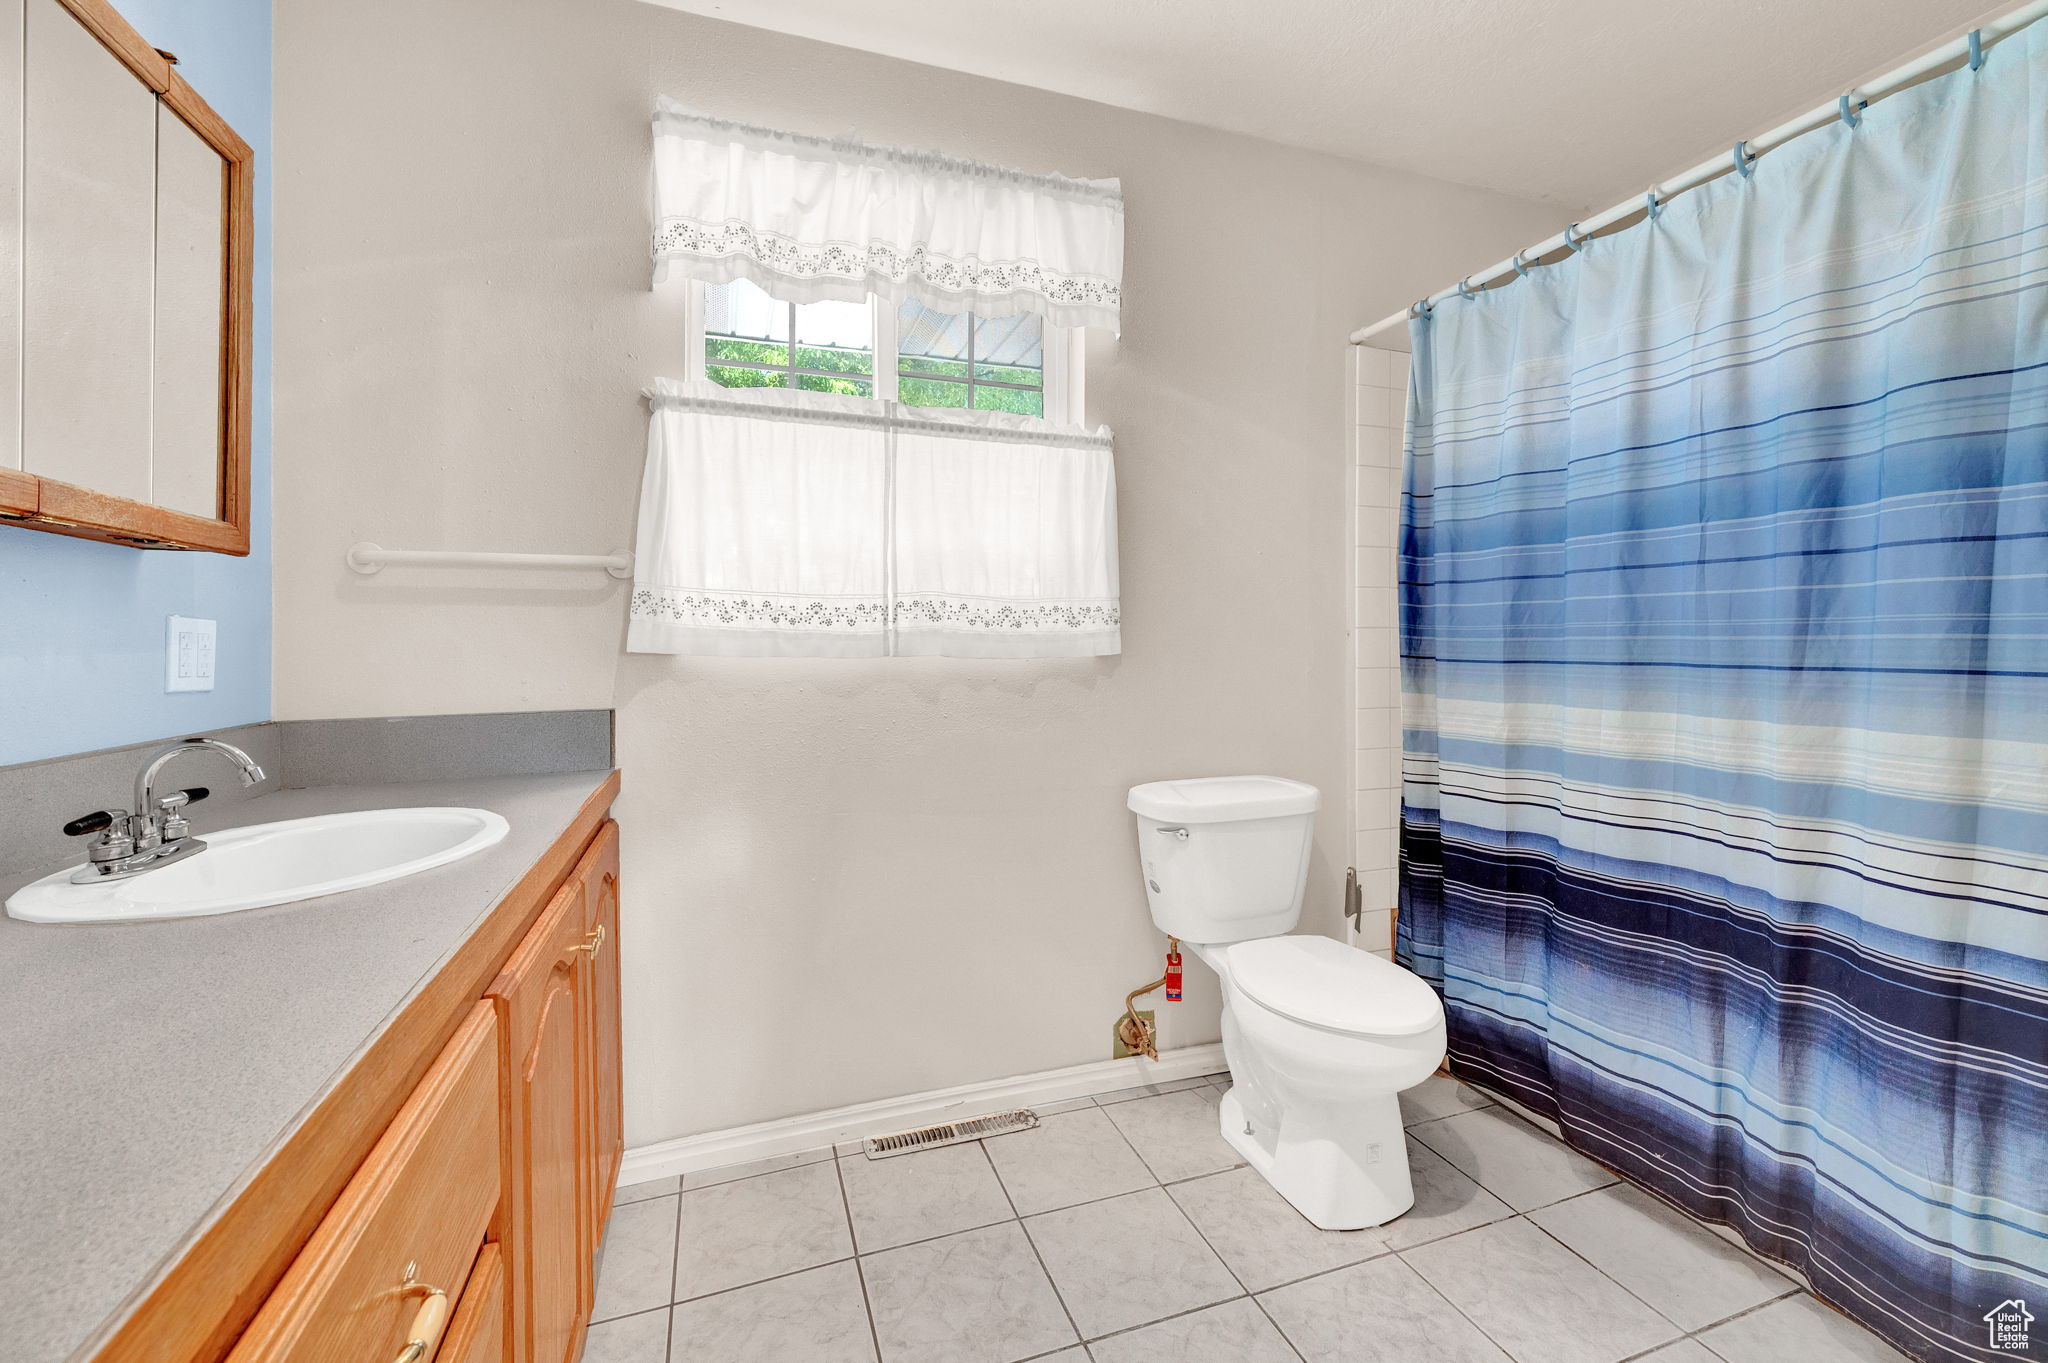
(188, 655)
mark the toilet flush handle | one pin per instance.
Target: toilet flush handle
(1180, 833)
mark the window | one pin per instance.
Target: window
(992, 364)
(742, 338)
(748, 342)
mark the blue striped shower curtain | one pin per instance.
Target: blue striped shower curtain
(1724, 599)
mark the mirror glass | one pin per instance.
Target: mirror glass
(118, 363)
(185, 426)
(10, 235)
(88, 209)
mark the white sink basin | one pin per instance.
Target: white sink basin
(270, 863)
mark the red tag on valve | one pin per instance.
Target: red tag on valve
(1173, 977)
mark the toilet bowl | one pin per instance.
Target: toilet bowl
(1321, 1037)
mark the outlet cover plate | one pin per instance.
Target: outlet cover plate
(189, 654)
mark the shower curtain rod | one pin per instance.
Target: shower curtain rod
(1971, 45)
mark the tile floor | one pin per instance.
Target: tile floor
(1125, 1230)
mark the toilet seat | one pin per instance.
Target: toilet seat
(1326, 984)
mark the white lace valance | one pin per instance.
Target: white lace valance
(811, 219)
(794, 524)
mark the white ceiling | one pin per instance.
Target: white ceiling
(1576, 102)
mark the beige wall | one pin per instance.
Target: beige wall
(844, 880)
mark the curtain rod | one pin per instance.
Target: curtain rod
(1971, 45)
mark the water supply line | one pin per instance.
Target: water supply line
(1139, 1036)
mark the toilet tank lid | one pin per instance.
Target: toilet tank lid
(1328, 984)
(1216, 799)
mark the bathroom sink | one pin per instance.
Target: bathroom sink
(270, 863)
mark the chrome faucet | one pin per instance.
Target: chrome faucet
(157, 832)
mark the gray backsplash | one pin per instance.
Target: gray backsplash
(38, 798)
(353, 752)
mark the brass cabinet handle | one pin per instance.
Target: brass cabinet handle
(428, 1324)
(593, 943)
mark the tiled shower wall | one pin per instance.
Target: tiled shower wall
(1379, 401)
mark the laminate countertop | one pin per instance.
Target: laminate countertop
(148, 1070)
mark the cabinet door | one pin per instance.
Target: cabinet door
(544, 1000)
(599, 875)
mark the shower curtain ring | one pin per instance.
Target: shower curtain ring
(1521, 270)
(1574, 239)
(1976, 49)
(1652, 205)
(1466, 291)
(1745, 164)
(1420, 308)
(1851, 107)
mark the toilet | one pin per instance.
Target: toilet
(1320, 1036)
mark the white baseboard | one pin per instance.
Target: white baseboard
(737, 1145)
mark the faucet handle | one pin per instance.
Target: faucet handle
(178, 799)
(94, 822)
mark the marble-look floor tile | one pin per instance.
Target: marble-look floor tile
(628, 1339)
(813, 1317)
(1260, 1235)
(1151, 1090)
(1069, 1105)
(1797, 1330)
(733, 1172)
(1510, 1158)
(1127, 1261)
(1235, 1332)
(1069, 1157)
(1446, 1202)
(976, 1297)
(641, 1192)
(1177, 1134)
(920, 1196)
(1380, 1311)
(637, 1265)
(1537, 1299)
(1439, 1096)
(1684, 1351)
(755, 1228)
(1688, 1274)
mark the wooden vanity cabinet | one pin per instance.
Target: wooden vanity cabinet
(558, 1009)
(397, 1251)
(599, 874)
(543, 1000)
(453, 1187)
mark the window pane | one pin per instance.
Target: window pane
(1016, 342)
(845, 325)
(931, 392)
(927, 338)
(862, 387)
(744, 326)
(837, 337)
(1024, 401)
(734, 377)
(721, 348)
(742, 309)
(997, 373)
(919, 364)
(835, 360)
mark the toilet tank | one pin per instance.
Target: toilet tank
(1225, 857)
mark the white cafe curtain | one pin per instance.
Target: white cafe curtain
(812, 219)
(776, 523)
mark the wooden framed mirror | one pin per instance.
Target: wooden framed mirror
(126, 269)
